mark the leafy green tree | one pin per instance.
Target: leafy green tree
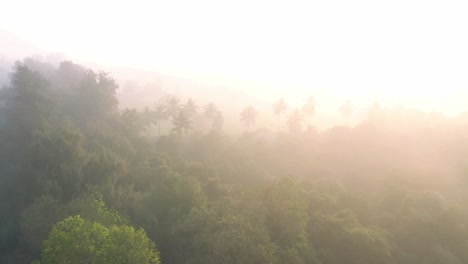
(279, 108)
(223, 236)
(286, 217)
(38, 219)
(95, 100)
(58, 157)
(76, 240)
(248, 116)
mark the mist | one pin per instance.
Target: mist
(249, 132)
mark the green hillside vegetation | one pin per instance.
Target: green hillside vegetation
(83, 181)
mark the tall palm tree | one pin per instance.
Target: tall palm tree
(172, 106)
(279, 108)
(295, 121)
(218, 122)
(147, 117)
(160, 114)
(309, 108)
(248, 116)
(190, 107)
(182, 123)
(347, 109)
(210, 112)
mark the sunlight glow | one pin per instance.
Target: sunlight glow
(411, 51)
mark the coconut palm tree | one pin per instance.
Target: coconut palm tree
(182, 123)
(172, 106)
(248, 116)
(190, 107)
(309, 108)
(218, 122)
(295, 121)
(279, 108)
(147, 117)
(210, 112)
(159, 114)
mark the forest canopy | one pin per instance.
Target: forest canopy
(85, 180)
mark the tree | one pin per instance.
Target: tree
(76, 240)
(218, 122)
(148, 117)
(248, 116)
(190, 107)
(210, 112)
(160, 114)
(95, 99)
(172, 106)
(295, 121)
(309, 108)
(182, 123)
(347, 109)
(279, 108)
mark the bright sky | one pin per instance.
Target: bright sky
(401, 50)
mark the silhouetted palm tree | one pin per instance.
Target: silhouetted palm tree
(182, 123)
(210, 112)
(218, 122)
(295, 121)
(147, 117)
(159, 115)
(248, 116)
(172, 106)
(190, 107)
(279, 108)
(309, 108)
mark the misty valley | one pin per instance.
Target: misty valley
(85, 178)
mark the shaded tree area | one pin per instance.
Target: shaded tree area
(82, 181)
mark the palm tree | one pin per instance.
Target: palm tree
(248, 116)
(160, 114)
(279, 108)
(347, 109)
(210, 112)
(309, 108)
(218, 121)
(172, 106)
(295, 121)
(190, 107)
(148, 117)
(182, 123)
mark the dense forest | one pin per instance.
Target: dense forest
(84, 181)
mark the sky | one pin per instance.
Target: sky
(411, 52)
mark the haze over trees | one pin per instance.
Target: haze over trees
(84, 180)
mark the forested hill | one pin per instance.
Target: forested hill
(84, 181)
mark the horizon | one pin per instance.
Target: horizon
(333, 51)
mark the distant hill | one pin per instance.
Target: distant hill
(13, 47)
(138, 88)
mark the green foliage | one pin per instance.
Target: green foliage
(76, 240)
(76, 174)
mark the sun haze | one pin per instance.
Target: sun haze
(396, 51)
